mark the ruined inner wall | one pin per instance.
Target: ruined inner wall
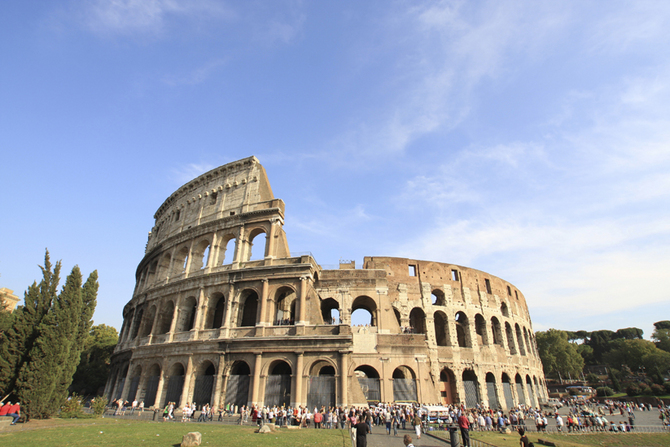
(222, 312)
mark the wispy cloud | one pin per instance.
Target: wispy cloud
(184, 174)
(152, 17)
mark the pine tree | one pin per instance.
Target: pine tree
(19, 340)
(39, 379)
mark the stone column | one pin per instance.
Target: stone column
(419, 382)
(303, 301)
(175, 317)
(500, 392)
(270, 244)
(189, 260)
(227, 322)
(126, 383)
(218, 381)
(297, 374)
(200, 310)
(262, 320)
(213, 253)
(185, 392)
(256, 379)
(344, 378)
(240, 249)
(159, 389)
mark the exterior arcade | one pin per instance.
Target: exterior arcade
(222, 313)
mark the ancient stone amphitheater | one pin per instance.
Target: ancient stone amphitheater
(223, 313)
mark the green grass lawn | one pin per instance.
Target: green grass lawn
(586, 440)
(116, 432)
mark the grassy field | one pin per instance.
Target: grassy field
(587, 440)
(112, 432)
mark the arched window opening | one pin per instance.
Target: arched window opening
(519, 338)
(257, 240)
(520, 390)
(437, 297)
(175, 383)
(205, 258)
(480, 329)
(531, 391)
(417, 321)
(463, 330)
(278, 385)
(510, 339)
(447, 386)
(164, 267)
(228, 254)
(180, 261)
(148, 323)
(504, 310)
(187, 315)
(526, 339)
(322, 385)
(368, 379)
(237, 390)
(285, 306)
(441, 329)
(471, 387)
(165, 320)
(121, 382)
(507, 391)
(136, 324)
(204, 381)
(404, 384)
(491, 391)
(151, 385)
(363, 311)
(217, 304)
(330, 311)
(249, 309)
(134, 382)
(151, 274)
(496, 331)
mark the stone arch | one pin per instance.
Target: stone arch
(215, 311)
(229, 244)
(151, 274)
(491, 391)
(367, 304)
(180, 261)
(237, 390)
(321, 389)
(404, 384)
(330, 311)
(504, 310)
(463, 330)
(480, 330)
(447, 386)
(204, 381)
(285, 305)
(148, 323)
(187, 313)
(530, 390)
(368, 380)
(437, 298)
(200, 255)
(258, 253)
(151, 385)
(135, 374)
(165, 317)
(122, 380)
(441, 329)
(519, 338)
(248, 308)
(417, 321)
(471, 386)
(175, 384)
(526, 339)
(164, 266)
(496, 331)
(278, 383)
(520, 390)
(510, 339)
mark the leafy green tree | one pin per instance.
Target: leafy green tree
(629, 333)
(558, 355)
(637, 354)
(586, 352)
(599, 341)
(661, 335)
(613, 376)
(91, 375)
(664, 324)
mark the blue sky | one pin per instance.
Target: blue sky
(530, 140)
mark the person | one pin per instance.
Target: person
(15, 412)
(416, 422)
(362, 430)
(464, 425)
(407, 440)
(395, 422)
(523, 441)
(5, 409)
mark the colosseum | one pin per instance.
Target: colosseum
(223, 313)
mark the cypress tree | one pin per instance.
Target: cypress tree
(19, 339)
(39, 379)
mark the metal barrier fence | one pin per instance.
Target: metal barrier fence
(590, 430)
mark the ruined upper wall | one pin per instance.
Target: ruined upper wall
(229, 190)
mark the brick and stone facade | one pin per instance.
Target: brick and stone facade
(222, 313)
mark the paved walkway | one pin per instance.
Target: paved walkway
(379, 438)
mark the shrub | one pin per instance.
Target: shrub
(657, 389)
(645, 389)
(72, 407)
(633, 389)
(666, 385)
(98, 405)
(604, 391)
